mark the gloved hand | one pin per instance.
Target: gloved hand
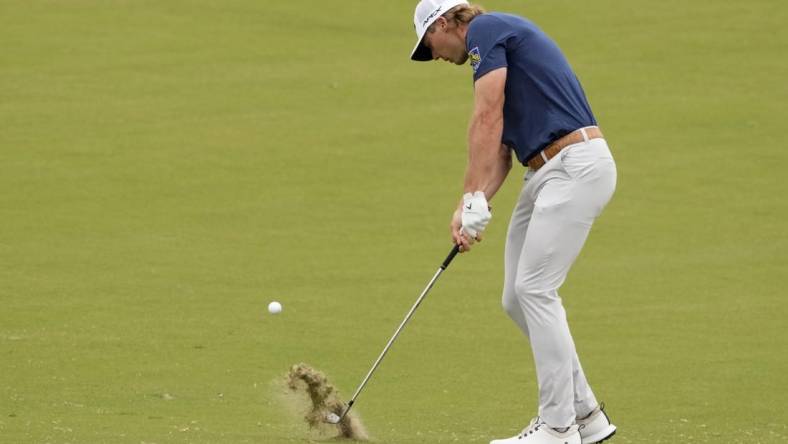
(475, 214)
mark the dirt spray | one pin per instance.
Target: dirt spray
(324, 400)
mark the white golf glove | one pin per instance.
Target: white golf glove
(475, 214)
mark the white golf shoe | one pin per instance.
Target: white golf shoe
(540, 433)
(596, 427)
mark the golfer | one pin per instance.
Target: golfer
(529, 103)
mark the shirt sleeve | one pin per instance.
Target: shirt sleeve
(487, 39)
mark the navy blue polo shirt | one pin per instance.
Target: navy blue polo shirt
(544, 99)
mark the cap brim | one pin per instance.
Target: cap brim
(421, 53)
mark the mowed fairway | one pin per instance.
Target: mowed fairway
(168, 168)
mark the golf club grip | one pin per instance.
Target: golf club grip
(451, 255)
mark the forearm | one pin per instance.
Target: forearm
(489, 161)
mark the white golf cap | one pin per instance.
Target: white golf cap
(427, 11)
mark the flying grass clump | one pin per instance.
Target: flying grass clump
(324, 400)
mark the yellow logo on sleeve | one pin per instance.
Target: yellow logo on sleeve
(475, 57)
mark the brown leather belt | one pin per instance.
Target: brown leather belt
(554, 148)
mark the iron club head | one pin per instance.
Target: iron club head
(333, 418)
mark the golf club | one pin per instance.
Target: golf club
(333, 418)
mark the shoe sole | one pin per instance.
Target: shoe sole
(600, 437)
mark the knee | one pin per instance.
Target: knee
(510, 305)
(524, 289)
(530, 292)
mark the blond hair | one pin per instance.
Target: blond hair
(461, 14)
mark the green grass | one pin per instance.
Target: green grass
(168, 168)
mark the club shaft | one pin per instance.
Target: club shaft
(396, 334)
(423, 294)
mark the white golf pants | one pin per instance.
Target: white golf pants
(557, 206)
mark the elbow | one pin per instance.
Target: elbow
(489, 118)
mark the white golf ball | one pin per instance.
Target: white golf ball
(274, 307)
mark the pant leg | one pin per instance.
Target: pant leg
(568, 194)
(515, 237)
(584, 399)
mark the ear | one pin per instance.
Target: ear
(442, 23)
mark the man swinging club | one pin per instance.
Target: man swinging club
(527, 100)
